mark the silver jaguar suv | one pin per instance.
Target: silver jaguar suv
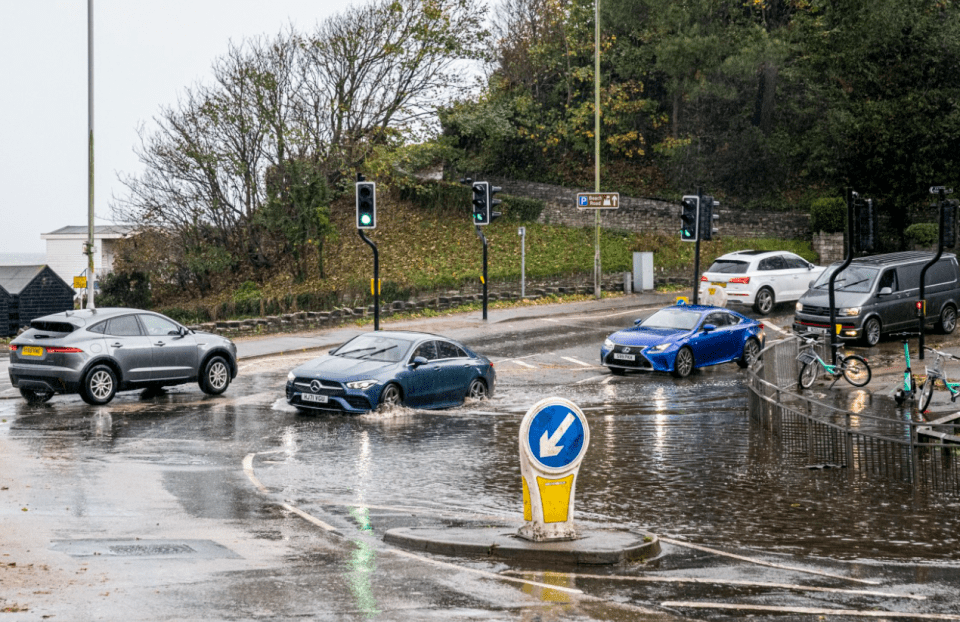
(97, 352)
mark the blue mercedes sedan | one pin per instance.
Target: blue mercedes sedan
(681, 338)
(391, 368)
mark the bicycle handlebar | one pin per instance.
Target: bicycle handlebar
(946, 355)
(905, 334)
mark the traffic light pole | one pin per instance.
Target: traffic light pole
(696, 257)
(375, 286)
(922, 308)
(834, 342)
(483, 239)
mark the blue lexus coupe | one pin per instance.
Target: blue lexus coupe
(681, 338)
(389, 368)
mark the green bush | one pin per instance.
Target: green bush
(125, 289)
(828, 214)
(922, 234)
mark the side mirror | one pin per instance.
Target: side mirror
(810, 284)
(638, 322)
(709, 328)
(885, 291)
(418, 361)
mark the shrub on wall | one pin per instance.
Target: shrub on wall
(828, 214)
(922, 234)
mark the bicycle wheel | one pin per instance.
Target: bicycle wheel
(926, 394)
(808, 374)
(856, 370)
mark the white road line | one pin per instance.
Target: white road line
(573, 360)
(248, 470)
(589, 379)
(708, 581)
(751, 560)
(309, 518)
(815, 611)
(776, 328)
(525, 364)
(606, 380)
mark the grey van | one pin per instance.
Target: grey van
(879, 294)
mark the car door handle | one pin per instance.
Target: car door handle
(160, 343)
(116, 345)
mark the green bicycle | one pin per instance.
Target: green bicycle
(934, 374)
(853, 367)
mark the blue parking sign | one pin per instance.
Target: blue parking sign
(583, 200)
(556, 436)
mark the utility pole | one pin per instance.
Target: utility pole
(89, 251)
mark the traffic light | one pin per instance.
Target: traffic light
(366, 205)
(948, 234)
(706, 228)
(491, 190)
(481, 205)
(689, 218)
(865, 221)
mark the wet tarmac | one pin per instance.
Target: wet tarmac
(286, 512)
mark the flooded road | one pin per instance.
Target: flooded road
(679, 458)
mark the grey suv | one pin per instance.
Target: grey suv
(101, 351)
(878, 294)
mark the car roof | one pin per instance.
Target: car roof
(408, 334)
(82, 317)
(750, 254)
(887, 259)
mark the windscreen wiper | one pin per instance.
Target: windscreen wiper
(377, 352)
(356, 350)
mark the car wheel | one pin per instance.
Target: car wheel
(948, 320)
(751, 352)
(683, 364)
(35, 396)
(871, 332)
(764, 302)
(99, 386)
(616, 371)
(215, 377)
(478, 390)
(391, 396)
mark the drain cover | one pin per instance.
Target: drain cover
(143, 548)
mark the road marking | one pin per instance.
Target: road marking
(309, 518)
(763, 563)
(248, 470)
(776, 328)
(590, 378)
(525, 364)
(484, 573)
(607, 379)
(573, 360)
(699, 580)
(815, 611)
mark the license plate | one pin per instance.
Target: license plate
(318, 399)
(625, 357)
(820, 330)
(718, 283)
(31, 351)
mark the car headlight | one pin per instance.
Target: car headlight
(659, 348)
(291, 377)
(850, 311)
(799, 307)
(361, 384)
(608, 344)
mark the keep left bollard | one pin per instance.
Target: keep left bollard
(553, 440)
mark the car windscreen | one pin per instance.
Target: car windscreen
(374, 348)
(729, 266)
(853, 279)
(676, 318)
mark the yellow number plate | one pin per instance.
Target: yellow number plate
(32, 351)
(718, 284)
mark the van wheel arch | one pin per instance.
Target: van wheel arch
(948, 319)
(872, 329)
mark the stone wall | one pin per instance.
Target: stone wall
(654, 215)
(829, 246)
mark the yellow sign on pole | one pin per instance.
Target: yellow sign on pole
(79, 282)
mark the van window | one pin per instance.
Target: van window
(888, 279)
(772, 263)
(942, 272)
(910, 275)
(854, 279)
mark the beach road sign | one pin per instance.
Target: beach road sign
(557, 437)
(937, 189)
(598, 200)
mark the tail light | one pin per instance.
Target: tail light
(56, 350)
(743, 280)
(761, 325)
(703, 278)
(13, 348)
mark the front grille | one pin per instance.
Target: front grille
(812, 310)
(640, 362)
(327, 387)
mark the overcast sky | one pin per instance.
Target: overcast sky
(145, 54)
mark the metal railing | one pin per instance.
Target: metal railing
(857, 436)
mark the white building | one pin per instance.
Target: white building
(65, 252)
